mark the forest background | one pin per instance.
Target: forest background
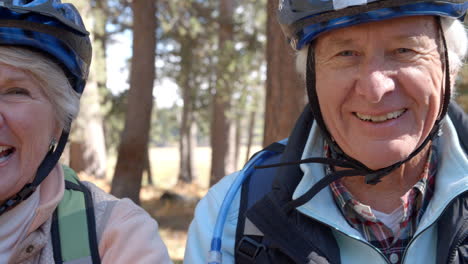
(236, 90)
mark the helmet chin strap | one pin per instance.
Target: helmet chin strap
(339, 158)
(46, 166)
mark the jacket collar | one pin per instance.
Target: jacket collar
(452, 176)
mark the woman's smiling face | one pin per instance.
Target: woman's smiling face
(27, 126)
(379, 87)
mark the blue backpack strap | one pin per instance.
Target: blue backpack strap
(270, 236)
(73, 229)
(260, 181)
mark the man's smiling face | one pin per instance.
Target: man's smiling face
(379, 87)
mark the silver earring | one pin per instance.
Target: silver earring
(52, 144)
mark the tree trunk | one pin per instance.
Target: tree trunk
(251, 135)
(285, 90)
(88, 148)
(134, 142)
(100, 44)
(187, 141)
(237, 140)
(221, 135)
(147, 168)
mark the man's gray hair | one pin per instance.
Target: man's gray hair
(455, 36)
(51, 78)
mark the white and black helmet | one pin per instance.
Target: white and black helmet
(303, 20)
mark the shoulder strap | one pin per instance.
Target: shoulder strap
(262, 237)
(460, 121)
(260, 181)
(303, 241)
(73, 225)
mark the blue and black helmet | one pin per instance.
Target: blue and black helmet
(51, 27)
(303, 20)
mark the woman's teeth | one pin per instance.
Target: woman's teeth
(5, 152)
(380, 118)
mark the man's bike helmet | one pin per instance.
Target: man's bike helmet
(302, 21)
(57, 31)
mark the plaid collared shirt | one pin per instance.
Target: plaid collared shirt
(414, 203)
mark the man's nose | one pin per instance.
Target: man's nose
(375, 80)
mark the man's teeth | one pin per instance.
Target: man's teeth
(381, 118)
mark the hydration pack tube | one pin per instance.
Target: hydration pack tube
(214, 256)
(302, 128)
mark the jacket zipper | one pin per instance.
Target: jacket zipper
(372, 246)
(360, 241)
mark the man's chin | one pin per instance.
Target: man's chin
(380, 159)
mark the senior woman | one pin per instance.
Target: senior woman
(375, 170)
(47, 214)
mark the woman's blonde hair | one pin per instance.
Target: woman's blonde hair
(51, 78)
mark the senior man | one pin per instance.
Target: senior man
(375, 170)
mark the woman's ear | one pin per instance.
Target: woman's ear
(57, 132)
